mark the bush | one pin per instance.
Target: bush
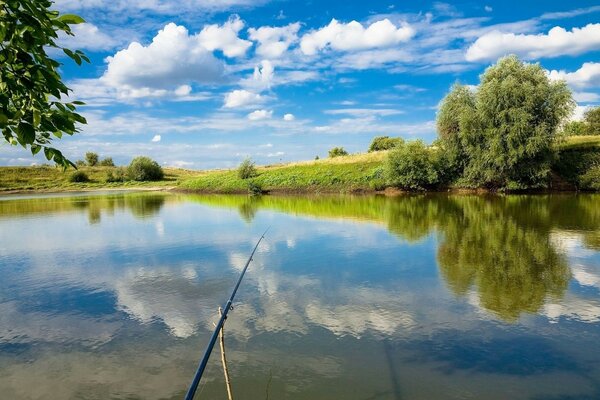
(247, 169)
(91, 158)
(575, 128)
(80, 163)
(591, 179)
(144, 169)
(116, 175)
(79, 177)
(254, 188)
(412, 166)
(592, 121)
(337, 152)
(107, 162)
(380, 143)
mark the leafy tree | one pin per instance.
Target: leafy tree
(31, 110)
(412, 166)
(575, 128)
(384, 143)
(247, 169)
(337, 152)
(504, 132)
(78, 177)
(107, 162)
(592, 121)
(144, 169)
(91, 159)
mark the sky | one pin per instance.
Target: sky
(203, 84)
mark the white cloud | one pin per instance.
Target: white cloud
(262, 78)
(353, 36)
(276, 154)
(274, 41)
(174, 58)
(88, 37)
(260, 115)
(242, 98)
(289, 117)
(586, 97)
(488, 8)
(225, 38)
(557, 42)
(156, 138)
(167, 7)
(363, 112)
(586, 76)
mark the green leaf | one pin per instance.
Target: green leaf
(26, 133)
(71, 19)
(35, 149)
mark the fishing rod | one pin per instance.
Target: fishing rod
(192, 390)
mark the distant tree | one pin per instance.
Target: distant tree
(337, 152)
(247, 169)
(412, 165)
(592, 121)
(384, 143)
(504, 132)
(316, 157)
(106, 162)
(31, 110)
(78, 177)
(91, 159)
(144, 169)
(80, 163)
(575, 128)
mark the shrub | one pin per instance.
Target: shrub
(254, 188)
(384, 143)
(337, 152)
(107, 162)
(592, 121)
(144, 169)
(91, 158)
(80, 163)
(412, 166)
(78, 177)
(116, 175)
(575, 128)
(247, 169)
(591, 179)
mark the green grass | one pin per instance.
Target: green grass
(580, 142)
(362, 172)
(50, 178)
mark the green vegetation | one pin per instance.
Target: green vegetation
(247, 169)
(91, 159)
(337, 152)
(31, 110)
(412, 166)
(106, 162)
(502, 134)
(592, 121)
(380, 143)
(144, 169)
(78, 177)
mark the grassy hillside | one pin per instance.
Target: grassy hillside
(354, 173)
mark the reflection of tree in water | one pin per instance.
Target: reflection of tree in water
(144, 206)
(513, 265)
(249, 208)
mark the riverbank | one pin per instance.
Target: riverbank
(358, 173)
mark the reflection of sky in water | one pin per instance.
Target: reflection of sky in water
(116, 296)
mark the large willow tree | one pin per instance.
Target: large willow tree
(31, 88)
(501, 134)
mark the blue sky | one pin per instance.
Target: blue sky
(206, 83)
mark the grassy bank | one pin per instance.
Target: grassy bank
(353, 173)
(49, 179)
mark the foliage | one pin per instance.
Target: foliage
(337, 152)
(254, 188)
(590, 180)
(592, 121)
(80, 163)
(78, 177)
(502, 135)
(144, 169)
(575, 128)
(247, 169)
(413, 166)
(574, 162)
(31, 110)
(117, 175)
(380, 143)
(106, 162)
(91, 159)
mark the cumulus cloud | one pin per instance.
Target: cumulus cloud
(274, 41)
(242, 98)
(156, 138)
(260, 115)
(262, 78)
(354, 36)
(225, 38)
(88, 37)
(174, 58)
(364, 112)
(586, 76)
(289, 117)
(557, 42)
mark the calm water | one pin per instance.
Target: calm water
(424, 297)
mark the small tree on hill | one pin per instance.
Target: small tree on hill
(144, 169)
(91, 158)
(337, 152)
(380, 143)
(592, 121)
(247, 169)
(107, 162)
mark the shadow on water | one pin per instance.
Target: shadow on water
(507, 248)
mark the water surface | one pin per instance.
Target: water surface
(416, 297)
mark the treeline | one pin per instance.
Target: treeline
(139, 169)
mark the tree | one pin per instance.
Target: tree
(337, 152)
(412, 166)
(144, 169)
(592, 121)
(575, 128)
(107, 162)
(247, 169)
(31, 110)
(380, 143)
(504, 132)
(91, 159)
